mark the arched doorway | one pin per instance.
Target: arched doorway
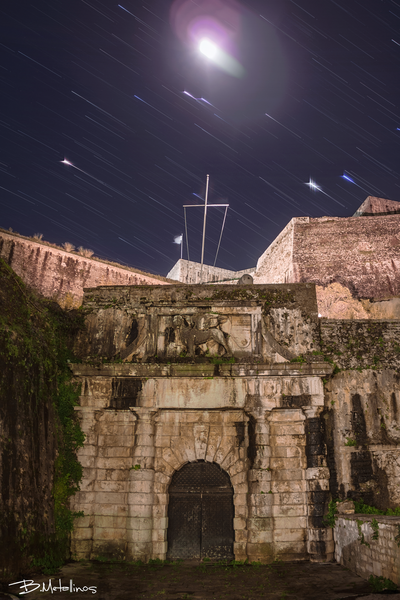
(200, 513)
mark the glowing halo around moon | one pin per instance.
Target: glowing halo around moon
(220, 57)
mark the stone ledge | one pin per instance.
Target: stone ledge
(147, 370)
(388, 519)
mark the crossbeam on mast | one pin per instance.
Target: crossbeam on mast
(205, 205)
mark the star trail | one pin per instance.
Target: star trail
(112, 116)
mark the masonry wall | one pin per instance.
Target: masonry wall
(379, 557)
(362, 429)
(62, 276)
(258, 432)
(276, 264)
(361, 253)
(189, 272)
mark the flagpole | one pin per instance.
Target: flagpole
(204, 231)
(181, 246)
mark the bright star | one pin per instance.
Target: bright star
(348, 178)
(314, 186)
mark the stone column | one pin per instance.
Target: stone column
(140, 491)
(320, 543)
(259, 522)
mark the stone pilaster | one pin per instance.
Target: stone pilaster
(259, 522)
(288, 486)
(320, 543)
(141, 487)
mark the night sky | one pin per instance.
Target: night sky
(296, 91)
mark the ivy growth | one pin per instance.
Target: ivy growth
(331, 516)
(37, 399)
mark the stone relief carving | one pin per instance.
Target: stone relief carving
(190, 335)
(271, 345)
(212, 333)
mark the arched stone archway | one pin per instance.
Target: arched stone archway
(200, 513)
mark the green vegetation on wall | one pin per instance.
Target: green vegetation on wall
(40, 434)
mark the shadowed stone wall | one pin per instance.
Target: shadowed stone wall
(60, 275)
(377, 557)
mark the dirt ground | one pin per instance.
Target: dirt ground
(196, 581)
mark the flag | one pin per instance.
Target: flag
(178, 239)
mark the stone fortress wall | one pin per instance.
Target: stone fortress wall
(354, 261)
(187, 271)
(61, 275)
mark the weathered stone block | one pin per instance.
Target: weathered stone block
(317, 473)
(81, 548)
(143, 451)
(159, 535)
(163, 467)
(141, 474)
(236, 468)
(139, 523)
(160, 522)
(240, 535)
(86, 521)
(139, 498)
(140, 550)
(260, 487)
(290, 523)
(260, 524)
(160, 510)
(289, 474)
(110, 509)
(290, 535)
(145, 487)
(112, 463)
(263, 552)
(162, 441)
(259, 475)
(317, 484)
(298, 549)
(160, 548)
(239, 523)
(116, 440)
(288, 440)
(160, 498)
(288, 414)
(140, 535)
(140, 510)
(240, 477)
(299, 485)
(88, 461)
(110, 486)
(109, 521)
(260, 511)
(109, 533)
(288, 463)
(109, 497)
(280, 429)
(289, 511)
(285, 498)
(83, 533)
(260, 536)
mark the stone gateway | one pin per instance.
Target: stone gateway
(203, 440)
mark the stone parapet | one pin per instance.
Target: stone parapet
(356, 548)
